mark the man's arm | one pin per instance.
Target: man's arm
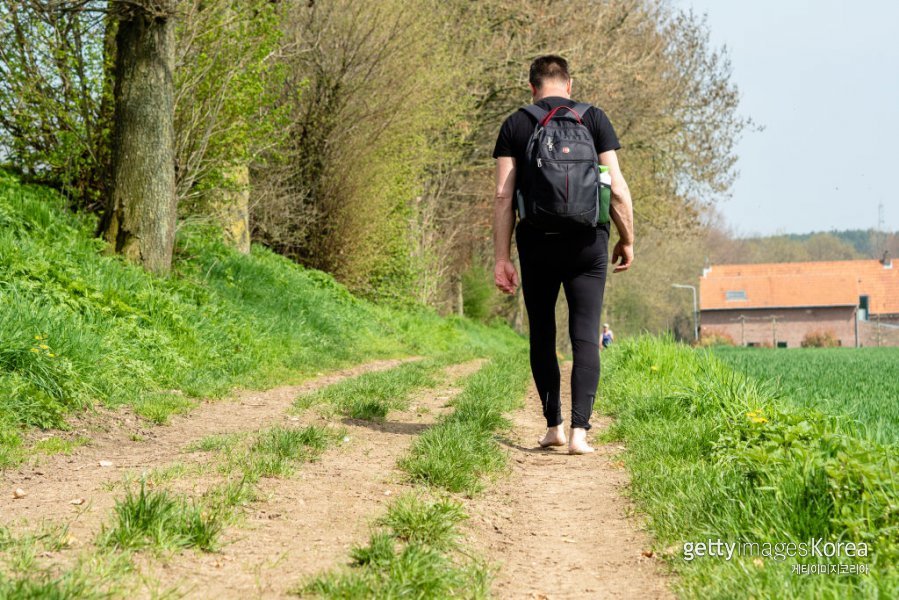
(504, 273)
(622, 213)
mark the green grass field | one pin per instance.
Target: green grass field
(719, 454)
(860, 383)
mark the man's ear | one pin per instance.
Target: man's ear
(533, 89)
(568, 87)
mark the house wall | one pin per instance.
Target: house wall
(792, 324)
(879, 332)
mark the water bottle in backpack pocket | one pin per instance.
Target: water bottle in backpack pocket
(605, 193)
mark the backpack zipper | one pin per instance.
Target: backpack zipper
(539, 162)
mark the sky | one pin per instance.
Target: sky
(822, 78)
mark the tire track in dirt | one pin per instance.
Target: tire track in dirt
(55, 481)
(307, 523)
(558, 527)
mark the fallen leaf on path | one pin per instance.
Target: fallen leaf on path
(647, 553)
(105, 463)
(18, 493)
(77, 501)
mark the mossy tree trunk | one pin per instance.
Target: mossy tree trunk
(141, 211)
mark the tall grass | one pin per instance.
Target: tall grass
(80, 326)
(716, 454)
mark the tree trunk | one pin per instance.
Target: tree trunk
(458, 296)
(231, 205)
(141, 212)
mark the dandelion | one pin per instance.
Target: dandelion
(35, 350)
(51, 355)
(653, 368)
(44, 347)
(756, 416)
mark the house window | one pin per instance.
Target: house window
(863, 308)
(781, 344)
(733, 295)
(752, 344)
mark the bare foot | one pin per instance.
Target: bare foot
(555, 436)
(579, 443)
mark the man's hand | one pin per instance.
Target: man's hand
(505, 276)
(624, 252)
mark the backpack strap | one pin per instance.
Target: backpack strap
(575, 112)
(581, 109)
(535, 111)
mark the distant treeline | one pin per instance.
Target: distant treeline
(848, 244)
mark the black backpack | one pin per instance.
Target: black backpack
(558, 187)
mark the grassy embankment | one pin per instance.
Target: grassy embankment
(719, 455)
(80, 327)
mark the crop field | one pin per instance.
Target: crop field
(762, 447)
(860, 383)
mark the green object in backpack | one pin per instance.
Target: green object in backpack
(605, 193)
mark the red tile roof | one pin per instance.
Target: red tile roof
(802, 284)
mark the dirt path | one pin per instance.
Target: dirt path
(558, 527)
(308, 522)
(55, 481)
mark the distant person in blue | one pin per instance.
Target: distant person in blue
(607, 336)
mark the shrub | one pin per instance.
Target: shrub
(820, 339)
(479, 297)
(713, 337)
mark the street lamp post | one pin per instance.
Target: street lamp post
(692, 288)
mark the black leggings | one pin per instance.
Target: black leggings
(578, 261)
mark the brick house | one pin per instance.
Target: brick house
(778, 304)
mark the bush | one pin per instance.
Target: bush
(820, 339)
(479, 297)
(712, 337)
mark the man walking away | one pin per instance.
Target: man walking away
(576, 258)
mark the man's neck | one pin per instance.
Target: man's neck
(550, 93)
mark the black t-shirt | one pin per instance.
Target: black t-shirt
(518, 127)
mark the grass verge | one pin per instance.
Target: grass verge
(413, 553)
(461, 451)
(371, 396)
(415, 549)
(717, 455)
